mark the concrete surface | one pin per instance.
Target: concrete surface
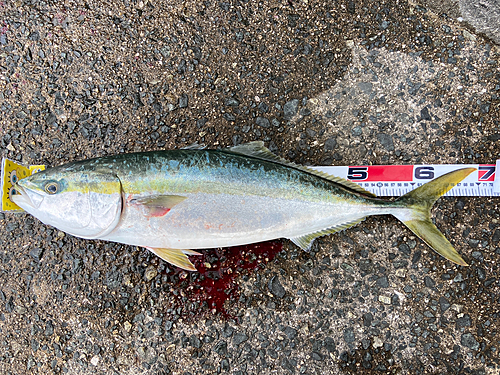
(346, 82)
(482, 16)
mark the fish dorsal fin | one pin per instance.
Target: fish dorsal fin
(257, 150)
(194, 146)
(176, 257)
(305, 241)
(158, 205)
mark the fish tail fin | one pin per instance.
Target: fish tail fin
(418, 218)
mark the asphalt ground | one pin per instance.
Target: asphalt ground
(321, 83)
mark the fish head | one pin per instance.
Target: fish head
(84, 203)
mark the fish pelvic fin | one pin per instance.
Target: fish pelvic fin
(418, 219)
(176, 257)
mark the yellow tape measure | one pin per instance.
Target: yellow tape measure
(11, 173)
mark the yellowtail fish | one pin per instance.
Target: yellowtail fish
(173, 202)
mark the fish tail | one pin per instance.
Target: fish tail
(418, 218)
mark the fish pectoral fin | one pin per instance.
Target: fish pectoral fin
(176, 257)
(305, 241)
(158, 205)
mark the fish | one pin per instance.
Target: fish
(174, 202)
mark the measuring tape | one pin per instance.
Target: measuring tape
(381, 180)
(396, 180)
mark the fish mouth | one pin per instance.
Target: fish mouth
(25, 198)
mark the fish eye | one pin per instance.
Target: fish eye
(51, 188)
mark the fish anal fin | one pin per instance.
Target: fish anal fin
(305, 241)
(177, 257)
(158, 205)
(257, 150)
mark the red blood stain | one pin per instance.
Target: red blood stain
(216, 280)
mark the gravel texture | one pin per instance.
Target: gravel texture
(321, 83)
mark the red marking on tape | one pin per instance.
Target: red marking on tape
(387, 172)
(486, 172)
